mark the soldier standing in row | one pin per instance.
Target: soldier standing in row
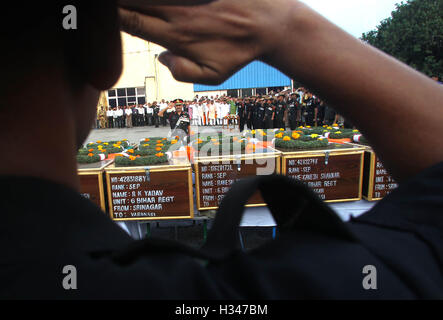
(249, 106)
(268, 120)
(258, 115)
(241, 112)
(293, 110)
(310, 110)
(134, 116)
(280, 111)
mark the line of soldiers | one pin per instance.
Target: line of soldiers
(285, 109)
(299, 108)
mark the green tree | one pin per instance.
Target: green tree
(413, 34)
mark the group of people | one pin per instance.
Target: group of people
(132, 116)
(201, 112)
(285, 109)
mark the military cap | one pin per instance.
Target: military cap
(178, 102)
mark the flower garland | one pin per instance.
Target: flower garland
(341, 134)
(91, 157)
(220, 144)
(110, 147)
(297, 141)
(138, 161)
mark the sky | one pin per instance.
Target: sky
(354, 16)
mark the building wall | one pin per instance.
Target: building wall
(141, 69)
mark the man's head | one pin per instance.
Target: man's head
(178, 103)
(44, 56)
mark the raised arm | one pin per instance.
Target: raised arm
(162, 112)
(398, 109)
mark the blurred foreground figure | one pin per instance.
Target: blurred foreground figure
(48, 228)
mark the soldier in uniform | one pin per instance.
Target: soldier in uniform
(178, 119)
(248, 112)
(280, 111)
(258, 115)
(135, 116)
(293, 109)
(269, 116)
(102, 117)
(311, 109)
(241, 112)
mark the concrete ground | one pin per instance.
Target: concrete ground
(134, 135)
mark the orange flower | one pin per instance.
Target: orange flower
(91, 150)
(295, 135)
(160, 145)
(165, 139)
(159, 155)
(131, 150)
(159, 141)
(174, 141)
(279, 135)
(147, 140)
(158, 149)
(132, 158)
(286, 138)
(90, 155)
(119, 155)
(99, 141)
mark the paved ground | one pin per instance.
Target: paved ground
(134, 135)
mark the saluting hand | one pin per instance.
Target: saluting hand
(210, 42)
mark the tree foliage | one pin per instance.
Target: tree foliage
(413, 34)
